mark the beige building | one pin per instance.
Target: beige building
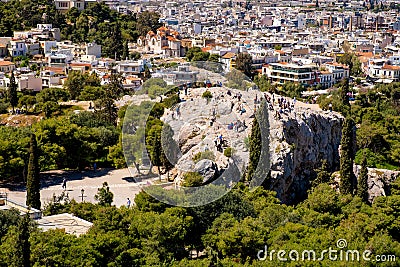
(6, 66)
(165, 42)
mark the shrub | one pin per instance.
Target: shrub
(228, 152)
(191, 179)
(204, 155)
(207, 94)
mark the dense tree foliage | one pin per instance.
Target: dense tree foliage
(376, 112)
(230, 231)
(244, 64)
(63, 142)
(351, 60)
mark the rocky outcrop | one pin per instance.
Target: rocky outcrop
(299, 139)
(378, 181)
(207, 168)
(298, 144)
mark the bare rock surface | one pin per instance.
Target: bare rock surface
(299, 138)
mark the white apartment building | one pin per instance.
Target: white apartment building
(288, 72)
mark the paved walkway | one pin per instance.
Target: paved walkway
(119, 181)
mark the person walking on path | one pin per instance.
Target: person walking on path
(64, 184)
(128, 203)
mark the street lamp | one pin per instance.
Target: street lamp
(82, 193)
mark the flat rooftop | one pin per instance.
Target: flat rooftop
(70, 223)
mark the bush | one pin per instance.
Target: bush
(228, 152)
(192, 179)
(207, 94)
(171, 101)
(204, 155)
(3, 107)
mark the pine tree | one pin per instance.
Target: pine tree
(125, 52)
(13, 96)
(323, 175)
(33, 178)
(259, 159)
(343, 92)
(255, 148)
(22, 250)
(362, 189)
(347, 153)
(117, 45)
(104, 195)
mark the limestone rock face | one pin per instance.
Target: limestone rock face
(207, 168)
(298, 143)
(299, 139)
(378, 181)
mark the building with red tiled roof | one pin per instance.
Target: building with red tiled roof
(166, 42)
(6, 66)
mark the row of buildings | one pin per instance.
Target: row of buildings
(301, 42)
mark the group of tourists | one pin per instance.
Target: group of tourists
(237, 126)
(219, 142)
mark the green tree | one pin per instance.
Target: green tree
(125, 52)
(362, 188)
(196, 54)
(323, 175)
(255, 149)
(116, 45)
(154, 146)
(104, 196)
(106, 110)
(74, 83)
(27, 101)
(213, 58)
(33, 178)
(259, 158)
(12, 91)
(52, 94)
(244, 63)
(49, 108)
(91, 93)
(8, 218)
(147, 21)
(343, 92)
(347, 185)
(22, 251)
